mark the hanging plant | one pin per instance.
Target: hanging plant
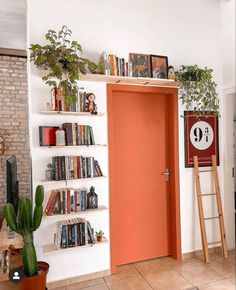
(61, 57)
(197, 89)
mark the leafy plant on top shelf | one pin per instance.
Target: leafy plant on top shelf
(99, 235)
(62, 59)
(197, 89)
(25, 224)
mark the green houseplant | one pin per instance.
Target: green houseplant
(197, 89)
(25, 224)
(61, 58)
(99, 235)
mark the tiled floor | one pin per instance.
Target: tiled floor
(161, 274)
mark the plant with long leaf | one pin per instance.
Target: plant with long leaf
(198, 89)
(25, 224)
(61, 57)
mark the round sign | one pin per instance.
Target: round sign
(201, 135)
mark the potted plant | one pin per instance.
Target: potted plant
(62, 59)
(99, 235)
(197, 89)
(49, 172)
(24, 224)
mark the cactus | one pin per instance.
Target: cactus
(25, 224)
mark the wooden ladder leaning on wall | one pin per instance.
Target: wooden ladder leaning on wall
(220, 216)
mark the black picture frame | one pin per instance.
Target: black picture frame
(139, 65)
(163, 71)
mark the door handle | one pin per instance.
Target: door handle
(166, 174)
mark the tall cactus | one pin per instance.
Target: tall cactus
(25, 224)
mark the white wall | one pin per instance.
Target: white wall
(228, 43)
(186, 31)
(13, 24)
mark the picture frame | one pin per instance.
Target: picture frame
(47, 135)
(139, 65)
(201, 138)
(159, 66)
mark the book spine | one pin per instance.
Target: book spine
(49, 203)
(75, 167)
(63, 170)
(64, 237)
(73, 134)
(68, 201)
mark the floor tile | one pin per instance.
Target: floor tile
(82, 285)
(94, 287)
(219, 285)
(123, 272)
(232, 280)
(133, 283)
(198, 273)
(223, 267)
(149, 266)
(9, 286)
(56, 285)
(167, 280)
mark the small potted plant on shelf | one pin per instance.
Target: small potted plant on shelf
(24, 224)
(197, 89)
(49, 172)
(62, 59)
(99, 235)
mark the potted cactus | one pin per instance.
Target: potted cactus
(99, 235)
(25, 224)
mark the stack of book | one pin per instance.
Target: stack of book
(76, 134)
(66, 201)
(75, 167)
(58, 103)
(74, 233)
(114, 65)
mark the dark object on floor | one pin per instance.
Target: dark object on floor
(194, 288)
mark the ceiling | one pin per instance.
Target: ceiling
(13, 24)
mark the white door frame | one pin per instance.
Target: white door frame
(228, 165)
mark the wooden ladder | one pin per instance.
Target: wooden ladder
(220, 216)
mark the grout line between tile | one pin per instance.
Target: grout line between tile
(142, 276)
(105, 283)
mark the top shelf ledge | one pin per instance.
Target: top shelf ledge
(130, 80)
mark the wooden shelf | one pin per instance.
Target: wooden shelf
(73, 146)
(130, 80)
(87, 114)
(50, 249)
(66, 181)
(79, 213)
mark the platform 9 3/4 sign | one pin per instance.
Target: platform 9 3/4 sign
(201, 138)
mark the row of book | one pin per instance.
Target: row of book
(58, 102)
(74, 233)
(76, 134)
(75, 167)
(114, 65)
(66, 201)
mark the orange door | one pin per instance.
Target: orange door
(139, 192)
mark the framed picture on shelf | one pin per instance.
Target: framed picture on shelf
(139, 65)
(47, 135)
(159, 66)
(201, 138)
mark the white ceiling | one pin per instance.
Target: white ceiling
(13, 24)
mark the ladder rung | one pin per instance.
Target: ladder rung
(211, 218)
(210, 170)
(206, 194)
(213, 243)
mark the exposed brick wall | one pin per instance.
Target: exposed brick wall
(14, 119)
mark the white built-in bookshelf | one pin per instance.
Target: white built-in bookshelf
(82, 260)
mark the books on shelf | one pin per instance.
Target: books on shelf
(74, 233)
(66, 201)
(58, 102)
(75, 167)
(76, 134)
(114, 65)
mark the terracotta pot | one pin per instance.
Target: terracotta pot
(36, 282)
(99, 239)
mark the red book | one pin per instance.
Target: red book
(51, 203)
(68, 202)
(78, 167)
